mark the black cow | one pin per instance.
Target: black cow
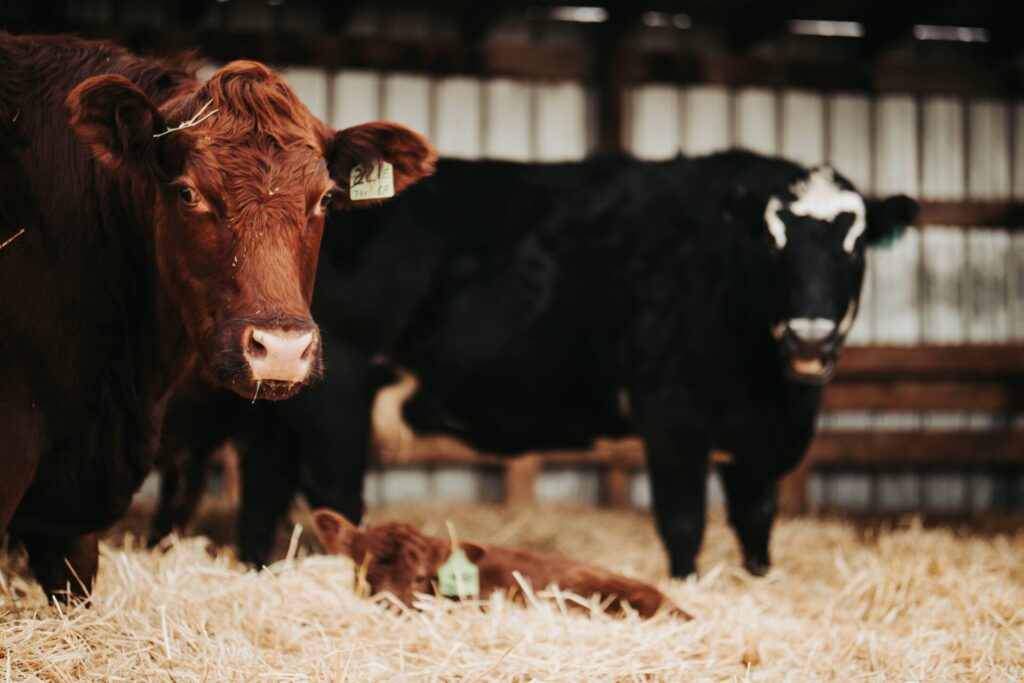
(700, 303)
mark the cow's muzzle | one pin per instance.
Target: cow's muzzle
(810, 349)
(271, 360)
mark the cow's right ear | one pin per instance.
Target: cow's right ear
(408, 152)
(335, 533)
(116, 119)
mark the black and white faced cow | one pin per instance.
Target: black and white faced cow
(529, 300)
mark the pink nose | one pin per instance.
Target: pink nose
(278, 355)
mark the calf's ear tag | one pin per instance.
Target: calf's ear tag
(458, 577)
(371, 181)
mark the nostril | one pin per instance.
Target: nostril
(309, 347)
(255, 346)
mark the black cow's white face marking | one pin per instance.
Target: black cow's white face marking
(816, 227)
(818, 196)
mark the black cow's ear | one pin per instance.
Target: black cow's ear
(888, 218)
(410, 155)
(116, 119)
(741, 207)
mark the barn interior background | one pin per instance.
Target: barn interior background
(917, 97)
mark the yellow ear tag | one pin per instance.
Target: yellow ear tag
(375, 181)
(458, 577)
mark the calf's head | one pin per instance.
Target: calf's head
(814, 234)
(237, 176)
(396, 557)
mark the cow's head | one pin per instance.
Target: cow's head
(814, 233)
(393, 557)
(238, 175)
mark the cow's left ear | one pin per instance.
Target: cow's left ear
(888, 218)
(116, 119)
(410, 155)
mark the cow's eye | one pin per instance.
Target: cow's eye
(188, 195)
(326, 200)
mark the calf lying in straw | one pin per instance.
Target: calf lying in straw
(397, 558)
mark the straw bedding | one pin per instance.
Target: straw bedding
(842, 604)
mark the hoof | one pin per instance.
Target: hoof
(757, 567)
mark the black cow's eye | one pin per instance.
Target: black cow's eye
(325, 201)
(188, 195)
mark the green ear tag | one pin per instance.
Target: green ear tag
(458, 577)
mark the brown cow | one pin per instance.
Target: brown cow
(172, 227)
(399, 559)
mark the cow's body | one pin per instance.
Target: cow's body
(104, 298)
(540, 306)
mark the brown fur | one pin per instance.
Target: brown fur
(123, 282)
(399, 559)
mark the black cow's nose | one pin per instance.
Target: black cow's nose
(811, 330)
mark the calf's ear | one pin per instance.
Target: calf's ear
(335, 533)
(117, 121)
(473, 551)
(888, 218)
(409, 154)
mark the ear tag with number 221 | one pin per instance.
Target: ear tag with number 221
(458, 577)
(376, 181)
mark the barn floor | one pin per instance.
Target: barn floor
(843, 603)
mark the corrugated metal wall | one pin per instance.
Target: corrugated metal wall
(939, 284)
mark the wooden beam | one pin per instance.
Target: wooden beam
(917, 448)
(897, 394)
(570, 62)
(991, 361)
(521, 478)
(972, 214)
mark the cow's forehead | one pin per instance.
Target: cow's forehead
(823, 195)
(252, 163)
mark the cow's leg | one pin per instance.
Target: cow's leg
(677, 445)
(752, 505)
(269, 471)
(182, 482)
(21, 447)
(63, 563)
(332, 423)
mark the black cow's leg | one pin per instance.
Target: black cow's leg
(332, 423)
(182, 482)
(677, 447)
(751, 503)
(62, 563)
(269, 470)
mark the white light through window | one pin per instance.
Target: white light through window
(828, 28)
(959, 34)
(666, 20)
(583, 15)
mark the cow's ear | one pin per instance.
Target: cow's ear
(473, 551)
(410, 155)
(335, 533)
(116, 119)
(887, 218)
